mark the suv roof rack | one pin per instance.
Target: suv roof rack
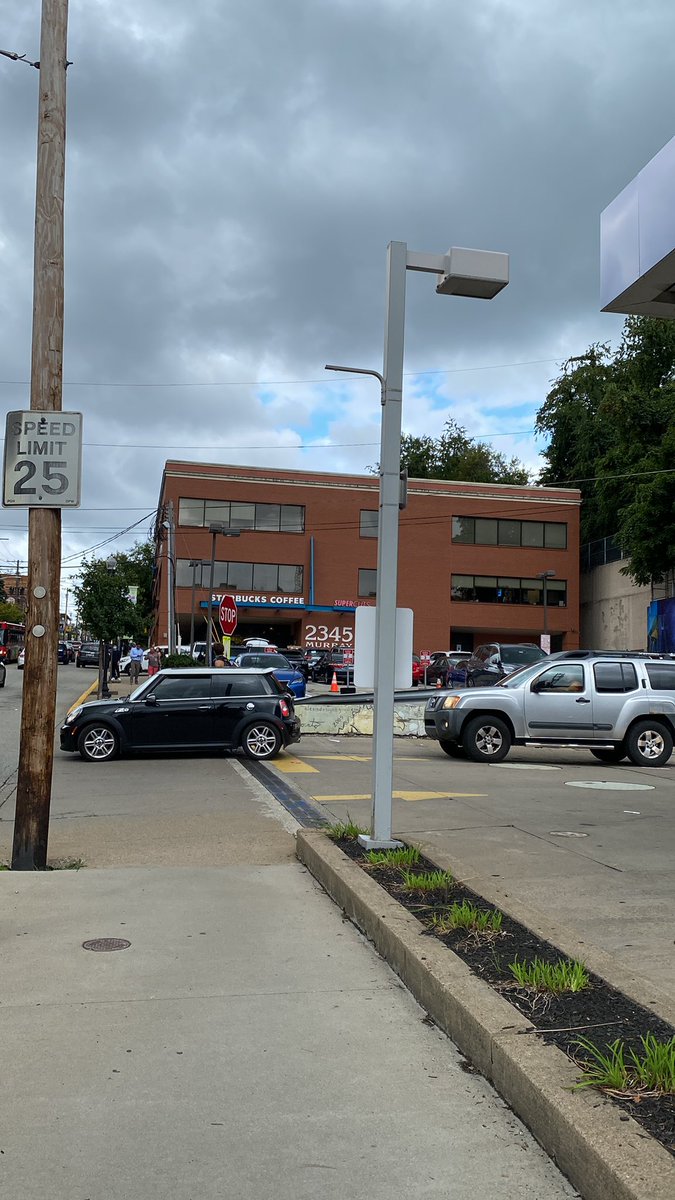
(603, 654)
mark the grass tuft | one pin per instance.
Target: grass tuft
(427, 881)
(467, 916)
(345, 831)
(406, 856)
(66, 864)
(653, 1070)
(563, 976)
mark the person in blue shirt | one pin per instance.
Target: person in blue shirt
(136, 655)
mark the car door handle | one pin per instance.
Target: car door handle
(582, 701)
(206, 707)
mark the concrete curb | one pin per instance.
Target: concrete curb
(603, 1155)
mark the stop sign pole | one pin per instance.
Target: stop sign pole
(227, 615)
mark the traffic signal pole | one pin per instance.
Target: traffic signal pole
(38, 714)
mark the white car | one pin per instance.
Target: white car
(21, 659)
(124, 663)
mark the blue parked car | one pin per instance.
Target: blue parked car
(284, 671)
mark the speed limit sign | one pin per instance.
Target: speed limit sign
(43, 459)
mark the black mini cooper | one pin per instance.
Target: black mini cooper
(191, 709)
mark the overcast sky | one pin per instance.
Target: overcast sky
(234, 174)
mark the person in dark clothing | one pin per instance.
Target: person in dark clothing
(115, 657)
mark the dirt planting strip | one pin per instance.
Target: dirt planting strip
(602, 1152)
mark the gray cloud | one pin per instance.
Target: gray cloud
(235, 173)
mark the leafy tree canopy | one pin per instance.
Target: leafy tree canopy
(455, 455)
(102, 595)
(11, 612)
(610, 420)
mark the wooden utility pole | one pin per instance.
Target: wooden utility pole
(36, 755)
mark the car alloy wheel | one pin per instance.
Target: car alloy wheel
(649, 744)
(97, 743)
(261, 740)
(486, 739)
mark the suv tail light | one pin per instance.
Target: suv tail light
(285, 710)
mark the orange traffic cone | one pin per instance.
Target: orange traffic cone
(334, 683)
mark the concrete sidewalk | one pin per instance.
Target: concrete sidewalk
(247, 1043)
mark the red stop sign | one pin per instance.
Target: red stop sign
(227, 615)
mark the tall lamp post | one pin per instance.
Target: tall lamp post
(545, 576)
(460, 272)
(104, 654)
(215, 528)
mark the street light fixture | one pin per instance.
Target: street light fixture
(545, 576)
(215, 528)
(461, 272)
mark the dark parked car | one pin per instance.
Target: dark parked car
(87, 655)
(297, 658)
(448, 668)
(491, 662)
(3, 673)
(188, 709)
(65, 654)
(334, 662)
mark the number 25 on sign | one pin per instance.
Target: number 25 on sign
(43, 459)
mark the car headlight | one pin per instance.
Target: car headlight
(451, 701)
(74, 714)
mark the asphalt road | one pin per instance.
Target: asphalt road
(590, 845)
(71, 684)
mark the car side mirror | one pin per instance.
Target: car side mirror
(151, 700)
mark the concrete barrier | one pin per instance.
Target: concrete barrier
(354, 714)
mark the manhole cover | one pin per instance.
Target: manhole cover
(606, 786)
(106, 944)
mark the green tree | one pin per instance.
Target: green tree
(455, 455)
(103, 595)
(11, 612)
(611, 424)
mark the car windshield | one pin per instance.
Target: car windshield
(519, 655)
(521, 675)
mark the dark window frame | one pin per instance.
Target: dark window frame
(468, 535)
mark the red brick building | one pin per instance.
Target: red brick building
(469, 556)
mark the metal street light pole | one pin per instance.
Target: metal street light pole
(478, 273)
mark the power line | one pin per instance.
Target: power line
(282, 382)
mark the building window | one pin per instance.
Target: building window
(367, 582)
(504, 589)
(269, 518)
(488, 531)
(281, 578)
(368, 522)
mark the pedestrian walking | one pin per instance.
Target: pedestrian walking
(136, 659)
(154, 660)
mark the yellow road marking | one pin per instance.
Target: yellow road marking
(294, 766)
(84, 695)
(341, 757)
(409, 796)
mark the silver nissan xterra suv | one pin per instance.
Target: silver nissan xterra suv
(617, 705)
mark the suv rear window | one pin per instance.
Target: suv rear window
(615, 677)
(661, 676)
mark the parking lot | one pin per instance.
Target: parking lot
(589, 845)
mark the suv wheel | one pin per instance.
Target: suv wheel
(614, 755)
(649, 744)
(486, 739)
(452, 749)
(261, 740)
(98, 743)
